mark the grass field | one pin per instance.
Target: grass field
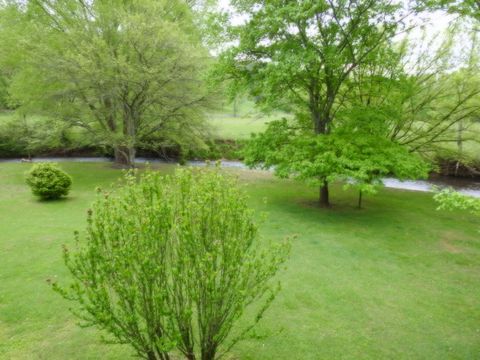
(240, 122)
(226, 126)
(397, 280)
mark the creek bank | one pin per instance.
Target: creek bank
(458, 169)
(467, 186)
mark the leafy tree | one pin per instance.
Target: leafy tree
(173, 262)
(302, 54)
(427, 96)
(356, 152)
(370, 155)
(129, 72)
(426, 93)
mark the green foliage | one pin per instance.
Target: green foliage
(129, 73)
(26, 136)
(304, 56)
(3, 93)
(360, 156)
(219, 149)
(449, 199)
(463, 7)
(173, 262)
(426, 100)
(48, 181)
(300, 53)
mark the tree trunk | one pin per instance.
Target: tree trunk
(152, 356)
(209, 352)
(320, 123)
(235, 107)
(324, 195)
(360, 199)
(459, 146)
(124, 155)
(27, 136)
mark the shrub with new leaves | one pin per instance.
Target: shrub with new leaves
(449, 199)
(48, 181)
(170, 263)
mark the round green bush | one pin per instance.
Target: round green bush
(48, 181)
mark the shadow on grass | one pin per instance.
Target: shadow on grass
(61, 200)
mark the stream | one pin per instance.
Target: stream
(466, 186)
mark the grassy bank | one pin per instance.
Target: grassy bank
(397, 280)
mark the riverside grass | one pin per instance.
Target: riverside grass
(398, 279)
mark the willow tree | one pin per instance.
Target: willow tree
(429, 94)
(125, 71)
(301, 54)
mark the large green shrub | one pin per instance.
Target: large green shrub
(48, 181)
(170, 263)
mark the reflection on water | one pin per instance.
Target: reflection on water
(466, 186)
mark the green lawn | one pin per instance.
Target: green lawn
(397, 280)
(226, 126)
(239, 122)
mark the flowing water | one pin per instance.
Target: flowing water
(467, 186)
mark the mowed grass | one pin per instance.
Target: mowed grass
(238, 122)
(397, 280)
(229, 127)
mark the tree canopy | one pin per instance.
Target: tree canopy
(461, 7)
(128, 73)
(307, 57)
